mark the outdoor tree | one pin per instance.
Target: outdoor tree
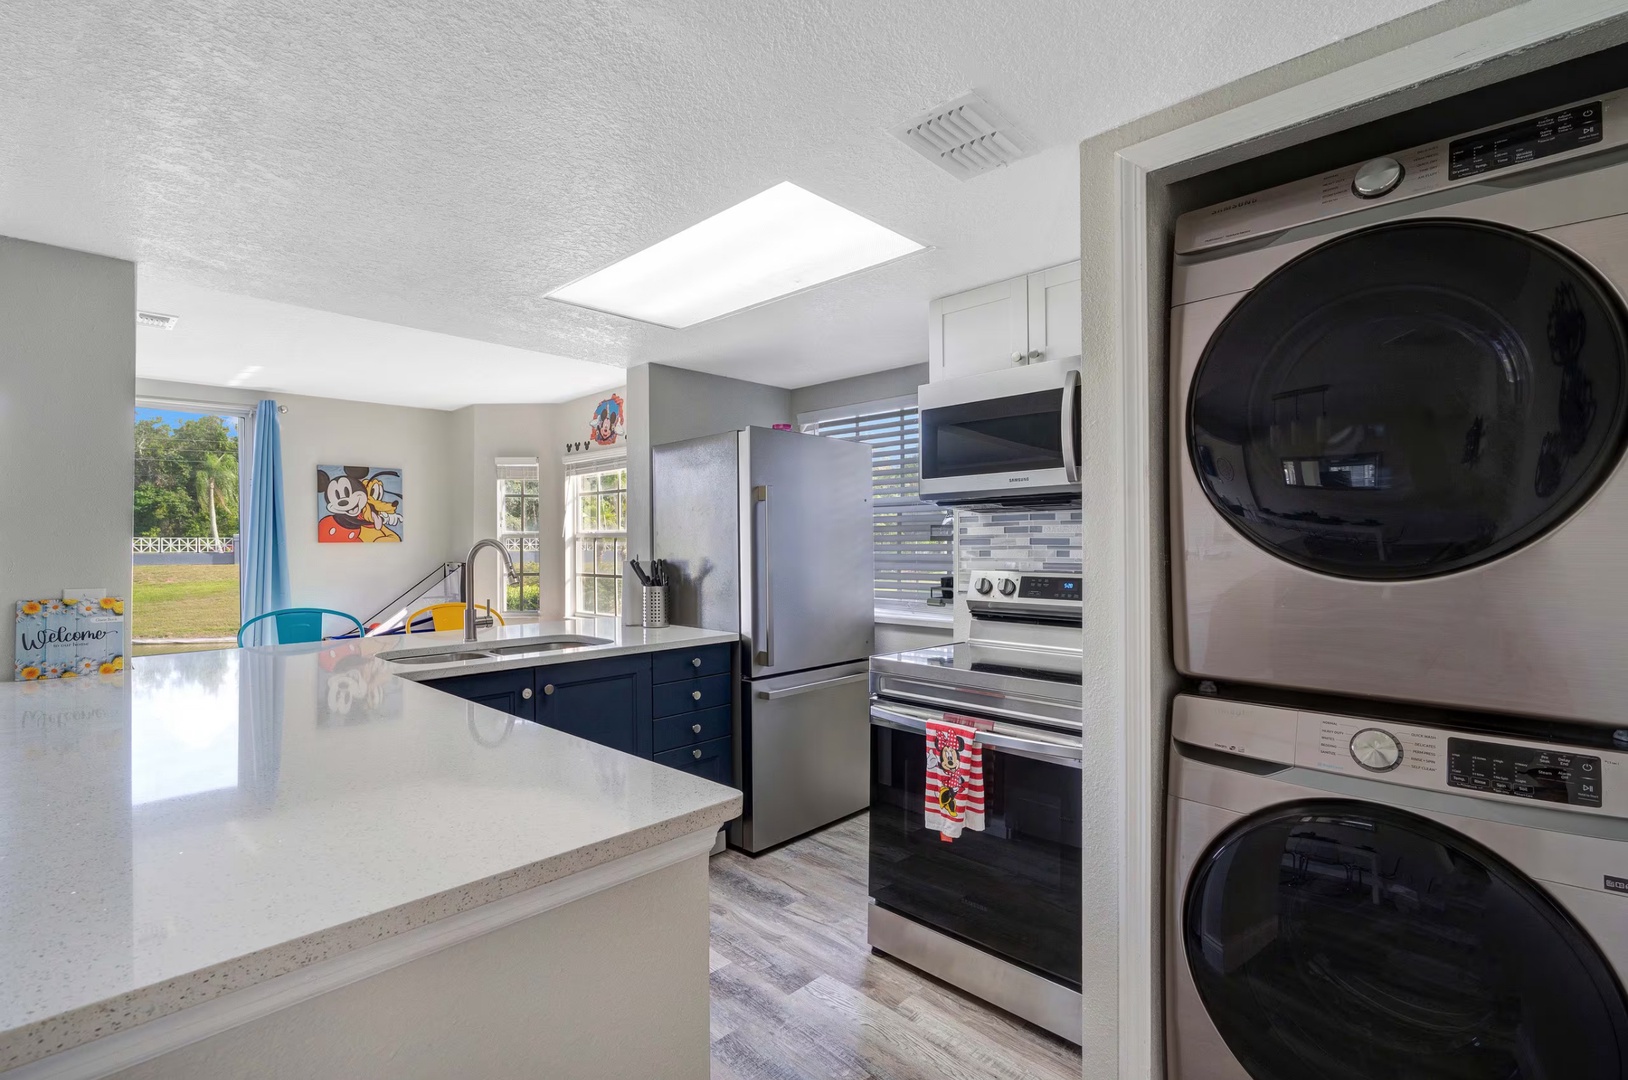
(186, 478)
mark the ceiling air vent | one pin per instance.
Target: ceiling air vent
(964, 137)
(156, 321)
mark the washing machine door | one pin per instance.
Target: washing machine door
(1411, 399)
(1348, 941)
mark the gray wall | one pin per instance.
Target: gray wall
(667, 404)
(877, 386)
(67, 393)
(1104, 489)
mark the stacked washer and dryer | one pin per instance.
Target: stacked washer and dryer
(1398, 792)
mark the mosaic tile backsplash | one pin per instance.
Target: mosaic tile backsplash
(1031, 541)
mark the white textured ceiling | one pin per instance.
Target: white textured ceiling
(443, 166)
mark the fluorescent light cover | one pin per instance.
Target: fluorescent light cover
(779, 241)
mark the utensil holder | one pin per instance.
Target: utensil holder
(653, 601)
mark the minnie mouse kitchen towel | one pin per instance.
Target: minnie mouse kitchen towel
(955, 779)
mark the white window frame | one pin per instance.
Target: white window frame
(901, 519)
(517, 542)
(578, 466)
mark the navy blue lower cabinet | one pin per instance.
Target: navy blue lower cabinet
(603, 701)
(512, 692)
(713, 761)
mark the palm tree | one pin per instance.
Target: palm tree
(216, 480)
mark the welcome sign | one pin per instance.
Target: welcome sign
(64, 639)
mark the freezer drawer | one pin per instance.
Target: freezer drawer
(805, 753)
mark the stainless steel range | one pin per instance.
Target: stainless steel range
(995, 912)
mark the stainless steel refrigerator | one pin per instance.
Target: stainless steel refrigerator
(769, 533)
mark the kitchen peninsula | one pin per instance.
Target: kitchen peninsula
(301, 862)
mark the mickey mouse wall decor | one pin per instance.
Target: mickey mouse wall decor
(358, 504)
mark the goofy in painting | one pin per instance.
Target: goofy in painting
(357, 512)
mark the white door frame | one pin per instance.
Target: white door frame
(1140, 758)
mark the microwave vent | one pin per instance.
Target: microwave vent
(965, 137)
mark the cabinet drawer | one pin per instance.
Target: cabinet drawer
(692, 728)
(677, 664)
(674, 699)
(713, 760)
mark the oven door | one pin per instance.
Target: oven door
(1003, 438)
(1013, 889)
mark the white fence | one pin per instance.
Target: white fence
(181, 545)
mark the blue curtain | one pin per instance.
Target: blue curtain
(263, 581)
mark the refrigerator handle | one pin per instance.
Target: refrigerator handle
(823, 684)
(763, 637)
(1071, 426)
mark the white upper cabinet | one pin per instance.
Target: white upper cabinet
(982, 330)
(1025, 320)
(1054, 313)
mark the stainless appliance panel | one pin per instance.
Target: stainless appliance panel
(1019, 991)
(695, 515)
(806, 558)
(805, 753)
(1532, 633)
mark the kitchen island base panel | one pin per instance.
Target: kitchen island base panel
(613, 985)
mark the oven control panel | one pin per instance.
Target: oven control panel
(1014, 595)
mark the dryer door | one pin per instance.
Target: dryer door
(1346, 941)
(1411, 399)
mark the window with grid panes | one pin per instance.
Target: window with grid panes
(913, 545)
(596, 540)
(518, 515)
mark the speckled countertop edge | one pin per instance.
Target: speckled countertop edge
(64, 1031)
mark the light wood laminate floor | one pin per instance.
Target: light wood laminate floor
(798, 995)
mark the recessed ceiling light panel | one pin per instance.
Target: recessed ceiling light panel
(776, 243)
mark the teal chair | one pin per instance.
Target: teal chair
(300, 624)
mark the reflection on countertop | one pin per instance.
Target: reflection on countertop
(206, 821)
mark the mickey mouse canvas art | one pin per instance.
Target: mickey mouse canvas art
(358, 504)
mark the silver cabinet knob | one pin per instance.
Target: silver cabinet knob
(549, 689)
(696, 694)
(696, 728)
(526, 693)
(697, 753)
(696, 662)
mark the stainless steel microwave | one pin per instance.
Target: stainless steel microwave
(1004, 438)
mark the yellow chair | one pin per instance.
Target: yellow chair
(450, 615)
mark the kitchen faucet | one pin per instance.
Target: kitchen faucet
(469, 581)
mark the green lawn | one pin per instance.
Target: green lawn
(182, 602)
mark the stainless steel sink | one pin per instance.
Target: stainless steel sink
(544, 644)
(437, 657)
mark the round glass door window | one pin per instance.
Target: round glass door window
(1411, 399)
(1347, 941)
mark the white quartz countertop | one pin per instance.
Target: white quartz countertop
(207, 821)
(618, 640)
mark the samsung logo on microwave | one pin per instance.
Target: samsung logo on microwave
(1017, 479)
(1234, 206)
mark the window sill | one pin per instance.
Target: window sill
(941, 618)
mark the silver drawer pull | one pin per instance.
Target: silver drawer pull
(696, 662)
(696, 728)
(526, 693)
(697, 753)
(549, 689)
(696, 694)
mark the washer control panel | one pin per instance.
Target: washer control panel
(1583, 779)
(1524, 772)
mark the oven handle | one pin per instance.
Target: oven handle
(1063, 753)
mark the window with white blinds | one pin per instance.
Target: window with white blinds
(913, 543)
